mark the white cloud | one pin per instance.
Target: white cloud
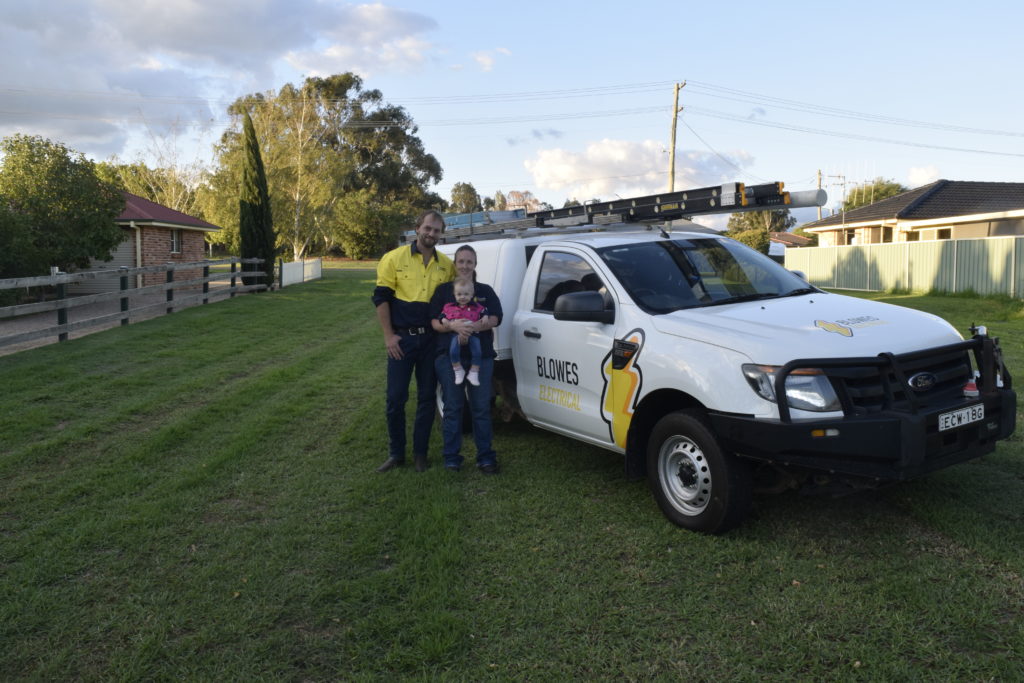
(486, 59)
(94, 73)
(922, 175)
(396, 55)
(626, 168)
(367, 39)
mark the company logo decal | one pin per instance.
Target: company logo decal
(560, 397)
(834, 327)
(623, 380)
(561, 371)
(923, 381)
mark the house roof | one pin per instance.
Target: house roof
(941, 199)
(789, 239)
(142, 211)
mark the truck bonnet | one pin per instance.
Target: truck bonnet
(774, 331)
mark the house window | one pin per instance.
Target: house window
(175, 241)
(851, 236)
(944, 233)
(913, 236)
(887, 234)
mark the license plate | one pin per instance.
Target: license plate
(959, 418)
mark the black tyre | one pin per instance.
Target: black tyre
(697, 484)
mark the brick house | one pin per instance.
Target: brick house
(943, 210)
(153, 235)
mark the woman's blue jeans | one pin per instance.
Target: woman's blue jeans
(455, 399)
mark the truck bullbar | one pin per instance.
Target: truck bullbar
(891, 373)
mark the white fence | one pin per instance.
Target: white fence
(300, 271)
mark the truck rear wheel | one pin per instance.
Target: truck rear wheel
(697, 484)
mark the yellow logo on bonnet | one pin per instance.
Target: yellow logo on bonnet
(834, 327)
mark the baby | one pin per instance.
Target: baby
(465, 308)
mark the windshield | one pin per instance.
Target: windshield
(669, 275)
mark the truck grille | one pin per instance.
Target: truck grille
(864, 390)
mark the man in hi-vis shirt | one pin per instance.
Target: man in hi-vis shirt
(406, 279)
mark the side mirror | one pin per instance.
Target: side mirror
(583, 307)
(800, 274)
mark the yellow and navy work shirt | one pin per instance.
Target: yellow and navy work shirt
(407, 284)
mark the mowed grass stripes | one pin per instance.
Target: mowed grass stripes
(193, 497)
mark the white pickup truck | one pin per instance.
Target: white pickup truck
(711, 367)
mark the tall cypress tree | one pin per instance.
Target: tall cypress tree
(255, 222)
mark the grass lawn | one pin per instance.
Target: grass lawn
(193, 497)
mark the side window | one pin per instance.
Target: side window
(560, 274)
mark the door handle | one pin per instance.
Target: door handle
(531, 334)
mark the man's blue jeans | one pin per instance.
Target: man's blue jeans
(419, 353)
(454, 396)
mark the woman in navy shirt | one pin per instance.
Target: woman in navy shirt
(455, 395)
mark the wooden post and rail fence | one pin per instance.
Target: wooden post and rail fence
(189, 292)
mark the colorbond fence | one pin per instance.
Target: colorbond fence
(990, 265)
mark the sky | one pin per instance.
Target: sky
(565, 99)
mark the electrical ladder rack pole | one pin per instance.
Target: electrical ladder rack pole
(624, 214)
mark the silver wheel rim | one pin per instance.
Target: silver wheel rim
(684, 475)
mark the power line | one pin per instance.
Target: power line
(704, 88)
(715, 152)
(807, 107)
(832, 133)
(363, 123)
(567, 93)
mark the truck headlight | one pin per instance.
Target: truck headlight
(806, 388)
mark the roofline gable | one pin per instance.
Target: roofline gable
(921, 198)
(148, 212)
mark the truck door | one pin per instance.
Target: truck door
(559, 363)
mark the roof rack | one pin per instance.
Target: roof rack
(655, 208)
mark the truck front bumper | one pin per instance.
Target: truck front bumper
(889, 445)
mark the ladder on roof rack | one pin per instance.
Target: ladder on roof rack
(655, 208)
(727, 198)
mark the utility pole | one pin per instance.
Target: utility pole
(819, 187)
(672, 146)
(842, 207)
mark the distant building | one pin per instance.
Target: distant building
(153, 235)
(945, 209)
(779, 242)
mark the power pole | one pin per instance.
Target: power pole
(841, 183)
(819, 187)
(672, 146)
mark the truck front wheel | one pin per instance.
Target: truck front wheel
(697, 484)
